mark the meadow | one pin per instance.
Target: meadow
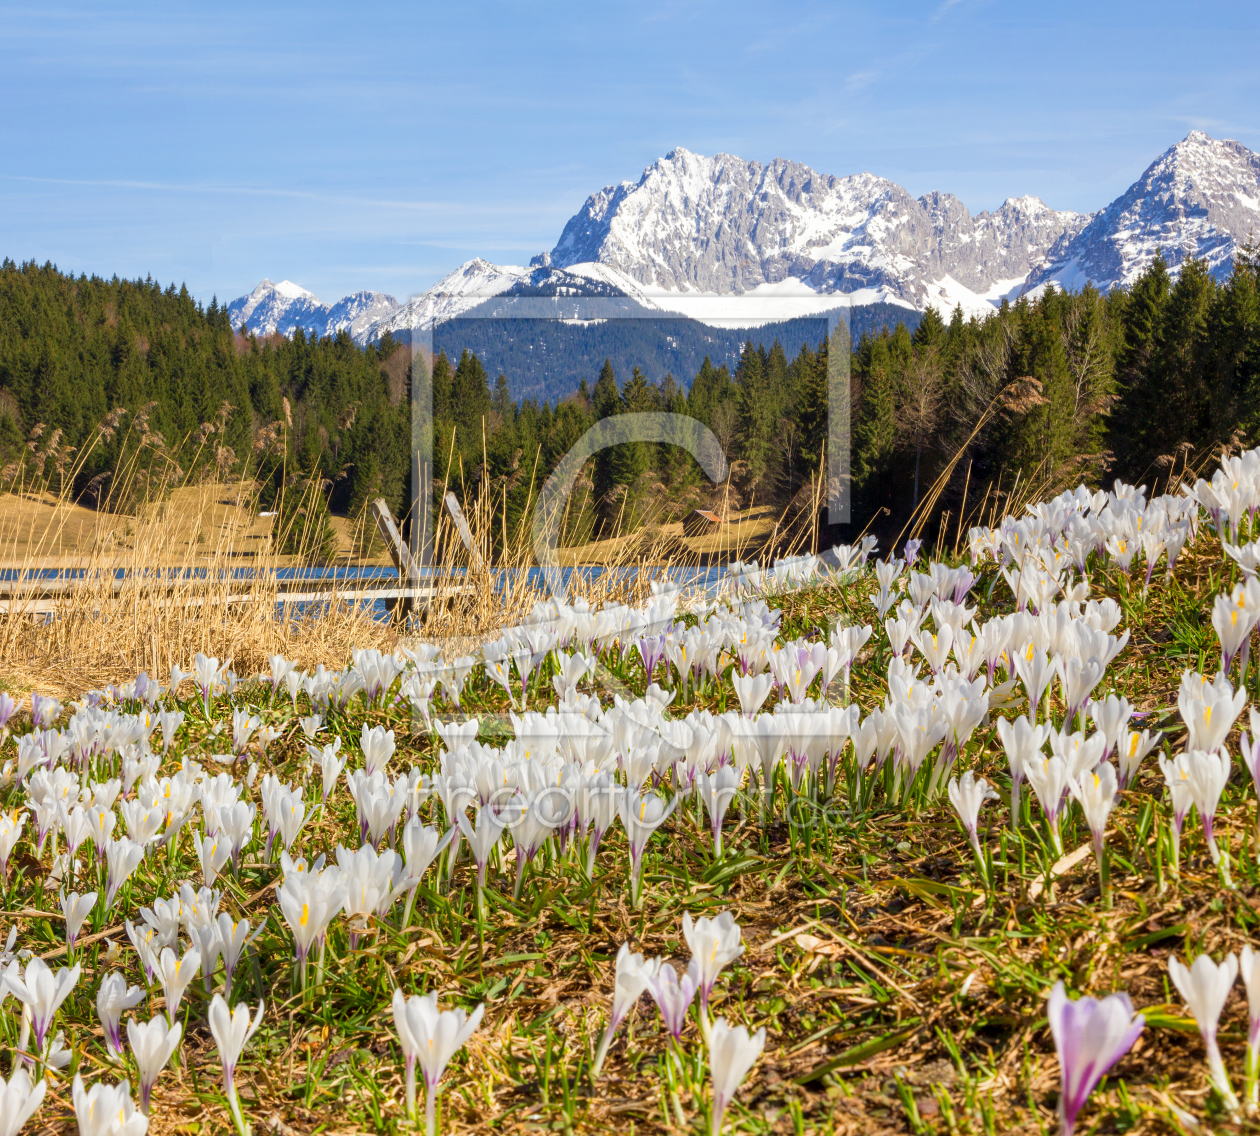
(857, 843)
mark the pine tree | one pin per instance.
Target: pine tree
(470, 396)
(631, 460)
(502, 403)
(442, 388)
(607, 402)
(756, 412)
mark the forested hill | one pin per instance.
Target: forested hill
(545, 360)
(195, 394)
(1054, 390)
(1123, 385)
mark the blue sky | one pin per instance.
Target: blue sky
(379, 146)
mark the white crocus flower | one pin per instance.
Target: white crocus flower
(213, 852)
(175, 973)
(1096, 794)
(76, 908)
(205, 937)
(633, 973)
(234, 937)
(1207, 774)
(41, 992)
(1049, 779)
(421, 846)
(112, 999)
(1077, 679)
(1249, 968)
(330, 765)
(1022, 740)
(716, 792)
(208, 676)
(935, 648)
(1208, 709)
(1177, 777)
(378, 746)
(231, 1030)
(10, 833)
(732, 1052)
(1111, 719)
(1233, 625)
(430, 1037)
(967, 796)
(309, 905)
(1035, 671)
(122, 857)
(19, 1101)
(642, 814)
(482, 839)
(1132, 749)
(752, 691)
(713, 943)
(106, 1110)
(1205, 987)
(152, 1045)
(243, 726)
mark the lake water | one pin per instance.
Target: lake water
(314, 576)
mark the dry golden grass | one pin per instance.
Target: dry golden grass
(37, 529)
(180, 559)
(200, 538)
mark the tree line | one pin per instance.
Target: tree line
(1144, 383)
(111, 390)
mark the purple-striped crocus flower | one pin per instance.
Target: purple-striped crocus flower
(651, 651)
(1090, 1036)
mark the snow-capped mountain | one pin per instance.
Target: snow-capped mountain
(271, 308)
(286, 306)
(1200, 198)
(724, 225)
(358, 313)
(453, 295)
(733, 242)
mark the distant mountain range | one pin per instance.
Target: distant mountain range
(735, 245)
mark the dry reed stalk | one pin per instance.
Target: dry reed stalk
(181, 590)
(172, 590)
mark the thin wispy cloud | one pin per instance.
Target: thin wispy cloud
(944, 9)
(861, 80)
(224, 189)
(313, 147)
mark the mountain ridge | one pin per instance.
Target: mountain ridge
(732, 242)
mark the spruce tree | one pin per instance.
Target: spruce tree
(502, 403)
(756, 412)
(470, 396)
(442, 388)
(607, 398)
(607, 402)
(631, 460)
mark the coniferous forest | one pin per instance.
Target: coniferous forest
(1143, 383)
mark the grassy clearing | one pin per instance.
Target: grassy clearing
(898, 994)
